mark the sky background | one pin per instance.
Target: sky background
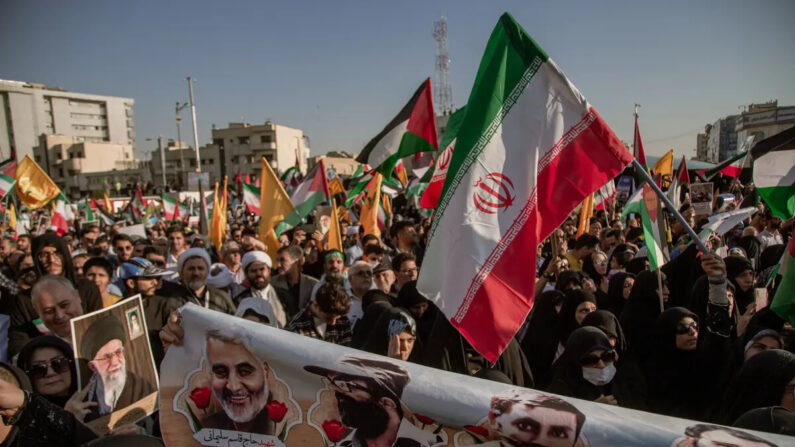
(340, 70)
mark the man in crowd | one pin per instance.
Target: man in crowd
(373, 254)
(325, 316)
(405, 268)
(112, 386)
(240, 382)
(583, 248)
(771, 234)
(360, 276)
(383, 277)
(122, 247)
(23, 243)
(194, 268)
(176, 241)
(56, 302)
(230, 256)
(257, 267)
(406, 240)
(293, 288)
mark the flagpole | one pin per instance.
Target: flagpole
(693, 236)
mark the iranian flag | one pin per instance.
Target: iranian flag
(310, 193)
(651, 214)
(59, 215)
(7, 178)
(530, 149)
(774, 172)
(413, 130)
(430, 198)
(184, 210)
(170, 208)
(251, 195)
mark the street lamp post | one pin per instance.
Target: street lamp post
(179, 141)
(195, 132)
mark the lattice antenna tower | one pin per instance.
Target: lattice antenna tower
(444, 92)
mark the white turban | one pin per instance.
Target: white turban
(194, 252)
(255, 256)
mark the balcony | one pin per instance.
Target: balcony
(72, 164)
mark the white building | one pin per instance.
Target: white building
(28, 111)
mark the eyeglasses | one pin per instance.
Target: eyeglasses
(593, 359)
(684, 328)
(48, 254)
(108, 357)
(59, 365)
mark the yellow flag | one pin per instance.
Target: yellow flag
(34, 187)
(108, 205)
(11, 217)
(665, 167)
(334, 236)
(335, 187)
(586, 213)
(274, 206)
(369, 215)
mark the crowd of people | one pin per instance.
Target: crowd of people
(694, 339)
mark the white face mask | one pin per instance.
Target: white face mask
(599, 376)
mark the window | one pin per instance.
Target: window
(59, 157)
(266, 139)
(242, 140)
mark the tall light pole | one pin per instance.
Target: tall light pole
(179, 140)
(195, 132)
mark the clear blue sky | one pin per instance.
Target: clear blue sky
(341, 69)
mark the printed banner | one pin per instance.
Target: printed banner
(239, 383)
(115, 366)
(701, 197)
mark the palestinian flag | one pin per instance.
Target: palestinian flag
(530, 149)
(310, 193)
(651, 214)
(7, 178)
(413, 130)
(430, 198)
(291, 178)
(731, 167)
(251, 195)
(637, 145)
(774, 172)
(784, 300)
(170, 208)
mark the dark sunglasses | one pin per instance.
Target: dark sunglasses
(684, 328)
(593, 359)
(58, 364)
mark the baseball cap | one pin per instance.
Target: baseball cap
(140, 267)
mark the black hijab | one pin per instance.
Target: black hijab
(49, 341)
(589, 269)
(673, 376)
(90, 297)
(567, 321)
(735, 266)
(391, 319)
(777, 420)
(567, 372)
(614, 299)
(752, 248)
(409, 296)
(699, 300)
(761, 383)
(640, 311)
(539, 344)
(374, 303)
(607, 323)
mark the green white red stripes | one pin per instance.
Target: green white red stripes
(529, 150)
(651, 213)
(774, 172)
(310, 193)
(170, 209)
(784, 300)
(251, 196)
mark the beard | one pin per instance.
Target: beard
(369, 418)
(246, 412)
(195, 285)
(113, 384)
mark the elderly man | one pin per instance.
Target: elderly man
(368, 392)
(56, 301)
(333, 267)
(240, 382)
(112, 385)
(293, 288)
(383, 277)
(193, 267)
(257, 267)
(360, 276)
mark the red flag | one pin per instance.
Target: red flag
(639, 154)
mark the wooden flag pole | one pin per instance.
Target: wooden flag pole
(693, 236)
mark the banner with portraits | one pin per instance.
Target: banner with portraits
(115, 366)
(235, 382)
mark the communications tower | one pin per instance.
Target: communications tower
(444, 93)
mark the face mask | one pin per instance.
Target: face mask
(599, 376)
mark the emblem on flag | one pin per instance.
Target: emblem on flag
(495, 186)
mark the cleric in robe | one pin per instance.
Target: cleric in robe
(112, 385)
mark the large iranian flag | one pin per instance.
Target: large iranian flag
(251, 195)
(530, 149)
(170, 208)
(311, 192)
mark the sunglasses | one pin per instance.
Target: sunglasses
(593, 359)
(684, 328)
(58, 364)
